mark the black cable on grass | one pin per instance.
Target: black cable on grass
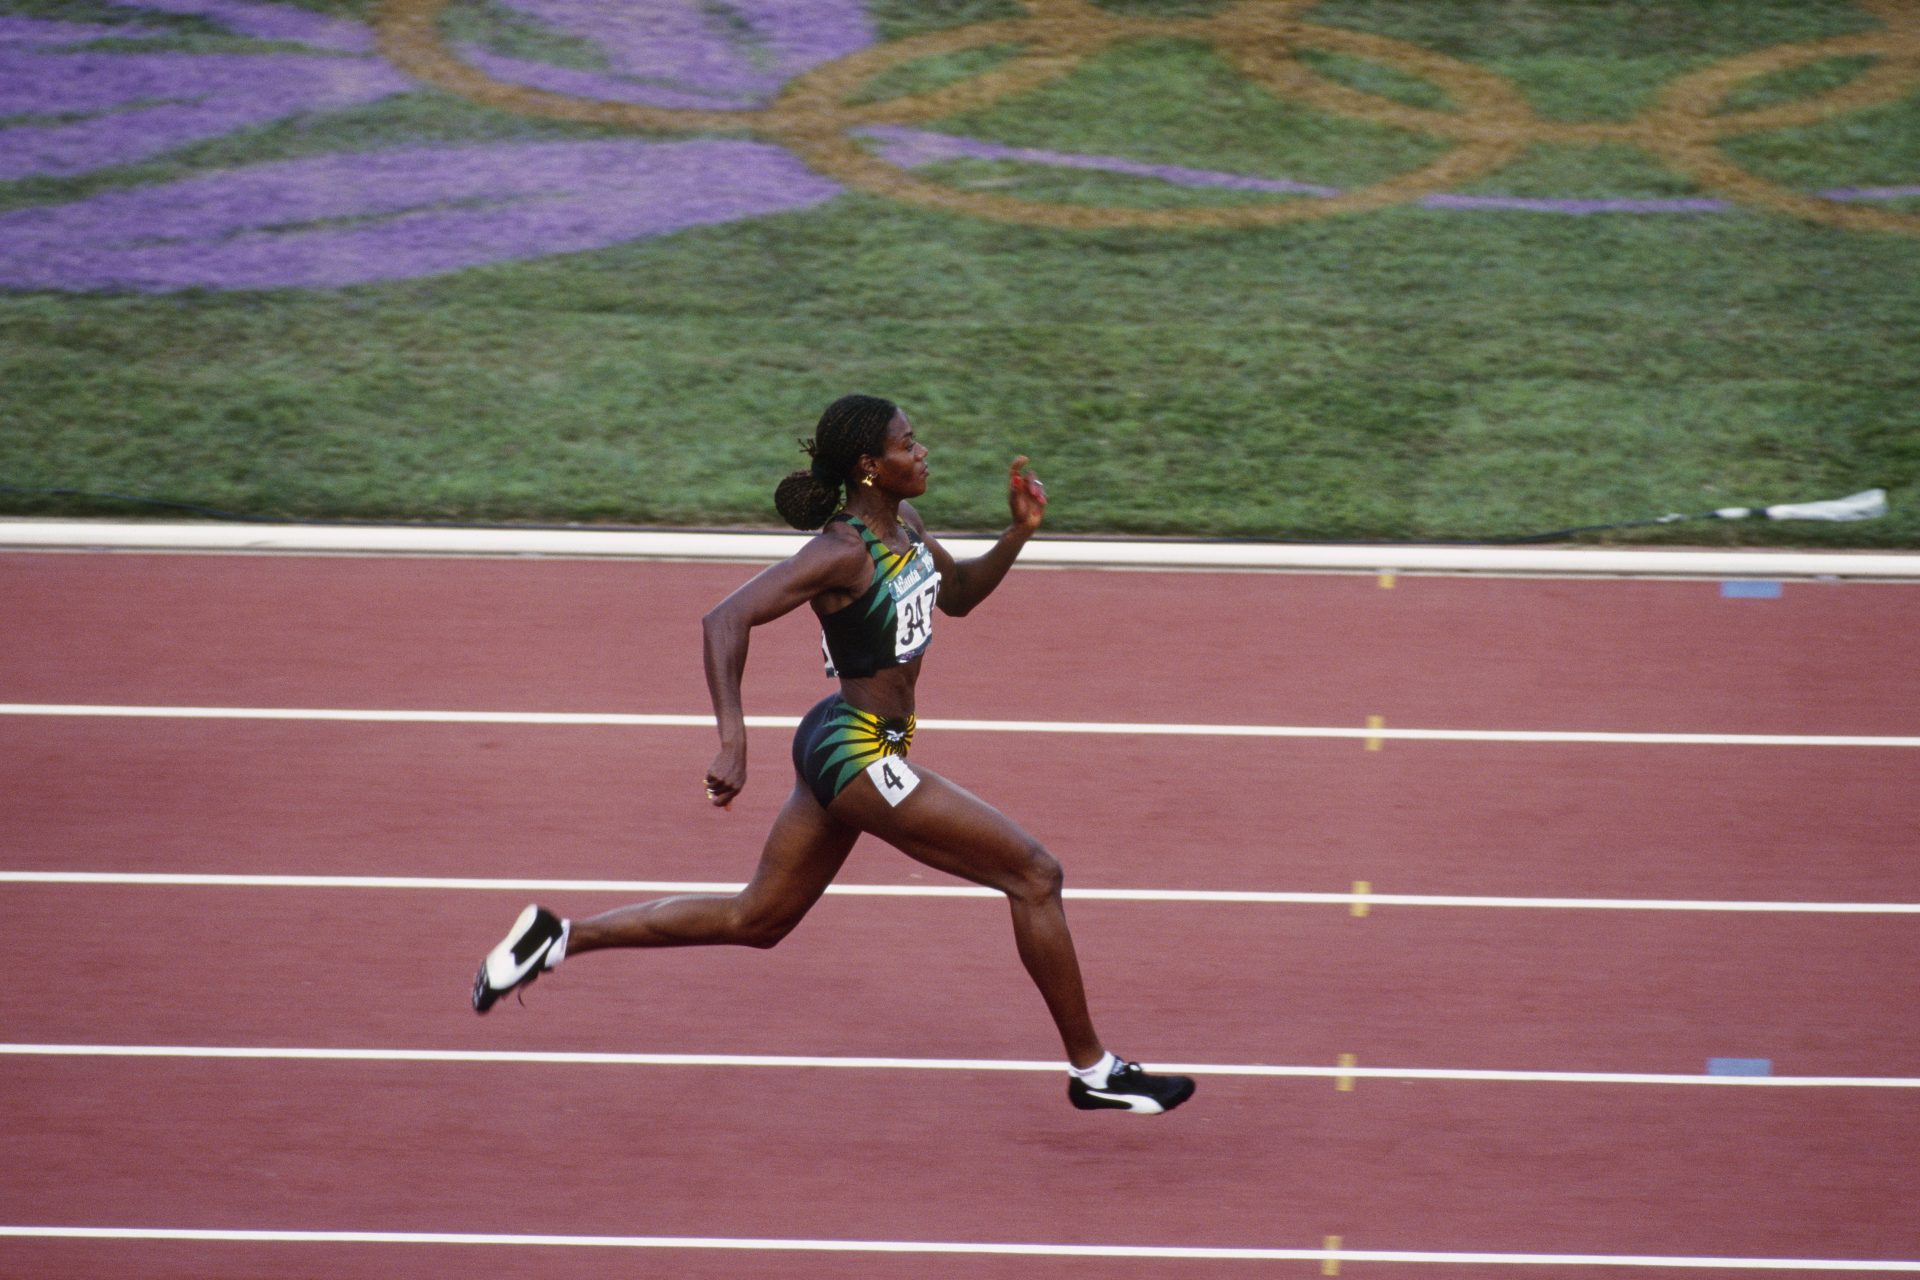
(1866, 505)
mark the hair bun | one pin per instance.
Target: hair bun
(805, 501)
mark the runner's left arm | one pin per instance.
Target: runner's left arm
(965, 583)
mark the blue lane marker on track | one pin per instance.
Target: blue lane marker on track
(1750, 589)
(1739, 1066)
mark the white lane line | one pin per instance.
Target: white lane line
(976, 726)
(216, 880)
(531, 1057)
(456, 883)
(1197, 1252)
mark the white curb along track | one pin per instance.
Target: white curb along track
(1045, 551)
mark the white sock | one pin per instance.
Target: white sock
(558, 951)
(1095, 1076)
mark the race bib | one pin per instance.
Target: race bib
(894, 778)
(913, 617)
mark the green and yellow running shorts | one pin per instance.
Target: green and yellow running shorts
(837, 740)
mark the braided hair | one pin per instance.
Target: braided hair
(851, 428)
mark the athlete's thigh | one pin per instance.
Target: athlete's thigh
(803, 853)
(945, 826)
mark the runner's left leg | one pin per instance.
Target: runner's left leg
(952, 830)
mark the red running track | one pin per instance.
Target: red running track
(965, 1156)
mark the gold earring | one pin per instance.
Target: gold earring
(866, 481)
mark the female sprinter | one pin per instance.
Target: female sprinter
(873, 575)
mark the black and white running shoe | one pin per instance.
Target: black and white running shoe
(518, 959)
(1129, 1088)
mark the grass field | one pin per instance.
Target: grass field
(1417, 371)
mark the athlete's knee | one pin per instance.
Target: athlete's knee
(1039, 877)
(762, 928)
(764, 934)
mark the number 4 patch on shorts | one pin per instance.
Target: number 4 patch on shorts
(895, 779)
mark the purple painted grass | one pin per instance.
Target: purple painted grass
(40, 32)
(397, 214)
(39, 83)
(913, 147)
(663, 40)
(268, 22)
(910, 147)
(359, 218)
(394, 215)
(799, 35)
(688, 44)
(1872, 193)
(137, 106)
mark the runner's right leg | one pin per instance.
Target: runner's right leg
(952, 830)
(803, 853)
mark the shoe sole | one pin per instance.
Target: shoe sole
(1139, 1104)
(503, 971)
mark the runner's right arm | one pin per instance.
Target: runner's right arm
(830, 565)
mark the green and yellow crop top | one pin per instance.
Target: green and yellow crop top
(891, 623)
